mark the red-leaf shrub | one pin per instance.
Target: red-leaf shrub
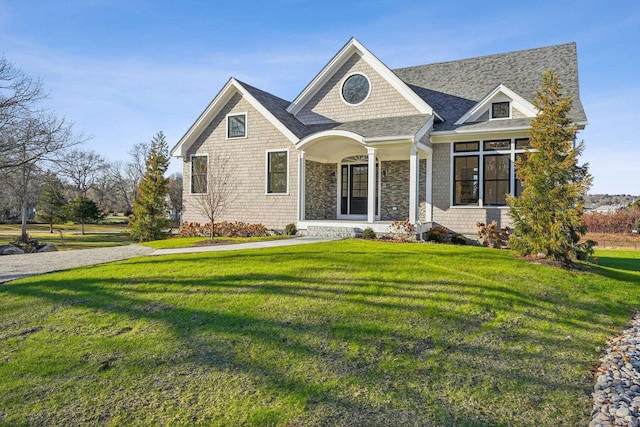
(620, 221)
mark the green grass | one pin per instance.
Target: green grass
(342, 333)
(187, 242)
(96, 235)
(618, 259)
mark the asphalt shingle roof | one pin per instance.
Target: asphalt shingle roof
(452, 88)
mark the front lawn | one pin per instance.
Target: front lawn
(188, 242)
(342, 333)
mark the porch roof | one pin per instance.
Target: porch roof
(387, 127)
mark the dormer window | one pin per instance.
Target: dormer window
(500, 110)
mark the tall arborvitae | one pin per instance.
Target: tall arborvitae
(547, 216)
(150, 214)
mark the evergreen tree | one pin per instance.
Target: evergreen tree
(150, 214)
(548, 215)
(83, 210)
(51, 203)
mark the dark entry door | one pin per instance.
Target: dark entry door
(358, 189)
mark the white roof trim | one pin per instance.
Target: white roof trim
(521, 104)
(215, 106)
(354, 46)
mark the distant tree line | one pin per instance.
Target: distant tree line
(623, 220)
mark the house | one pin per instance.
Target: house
(363, 145)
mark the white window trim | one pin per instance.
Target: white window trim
(246, 125)
(342, 86)
(191, 174)
(500, 118)
(266, 172)
(481, 153)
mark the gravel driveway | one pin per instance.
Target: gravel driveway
(16, 266)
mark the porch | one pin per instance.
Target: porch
(348, 183)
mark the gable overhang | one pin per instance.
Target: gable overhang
(213, 109)
(352, 47)
(521, 104)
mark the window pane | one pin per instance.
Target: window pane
(466, 180)
(460, 147)
(496, 179)
(522, 143)
(500, 110)
(199, 174)
(503, 144)
(236, 126)
(278, 161)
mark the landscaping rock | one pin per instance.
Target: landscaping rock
(49, 247)
(616, 399)
(11, 250)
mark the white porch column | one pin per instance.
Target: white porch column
(414, 163)
(301, 186)
(429, 171)
(371, 196)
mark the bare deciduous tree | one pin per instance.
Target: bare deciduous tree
(36, 139)
(19, 95)
(82, 168)
(213, 182)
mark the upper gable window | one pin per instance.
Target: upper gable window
(355, 89)
(237, 125)
(500, 110)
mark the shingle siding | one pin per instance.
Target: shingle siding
(248, 157)
(328, 106)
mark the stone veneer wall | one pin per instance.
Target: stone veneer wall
(320, 191)
(461, 219)
(248, 159)
(395, 191)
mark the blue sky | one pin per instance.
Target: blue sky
(123, 70)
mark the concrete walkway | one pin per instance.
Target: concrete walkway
(17, 266)
(251, 245)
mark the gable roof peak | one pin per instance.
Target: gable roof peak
(353, 46)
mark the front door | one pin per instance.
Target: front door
(354, 193)
(359, 189)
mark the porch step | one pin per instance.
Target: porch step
(339, 232)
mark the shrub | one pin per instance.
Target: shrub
(585, 249)
(368, 233)
(402, 230)
(437, 234)
(492, 236)
(223, 229)
(458, 239)
(291, 230)
(29, 246)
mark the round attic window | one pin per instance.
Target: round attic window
(355, 89)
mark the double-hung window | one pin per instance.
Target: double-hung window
(277, 171)
(199, 173)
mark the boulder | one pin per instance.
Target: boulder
(49, 247)
(10, 250)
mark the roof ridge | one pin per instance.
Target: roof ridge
(520, 51)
